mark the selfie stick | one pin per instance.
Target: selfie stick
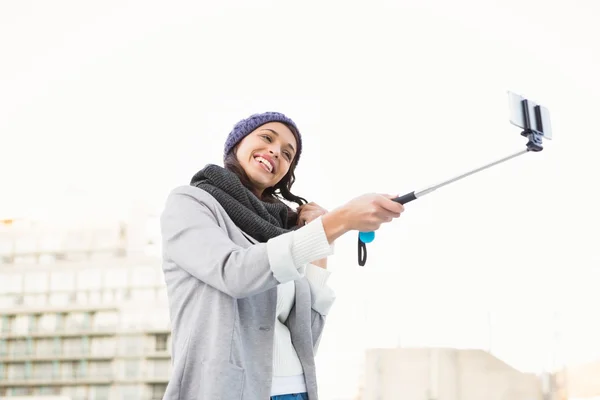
(520, 116)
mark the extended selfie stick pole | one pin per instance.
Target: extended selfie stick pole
(534, 144)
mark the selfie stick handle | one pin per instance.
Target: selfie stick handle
(367, 237)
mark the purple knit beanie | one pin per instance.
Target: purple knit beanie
(245, 126)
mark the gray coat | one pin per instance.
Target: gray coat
(222, 290)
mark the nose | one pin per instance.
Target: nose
(276, 155)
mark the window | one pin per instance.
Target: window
(25, 260)
(81, 369)
(50, 242)
(144, 276)
(132, 369)
(158, 319)
(7, 321)
(20, 324)
(103, 346)
(18, 348)
(6, 300)
(133, 319)
(108, 296)
(89, 279)
(47, 323)
(129, 392)
(49, 390)
(33, 323)
(20, 391)
(161, 343)
(101, 369)
(62, 281)
(59, 299)
(28, 370)
(67, 371)
(75, 392)
(16, 372)
(42, 370)
(3, 348)
(161, 368)
(105, 320)
(25, 244)
(61, 323)
(158, 392)
(162, 295)
(95, 297)
(72, 346)
(74, 369)
(143, 295)
(46, 259)
(11, 283)
(81, 298)
(99, 392)
(78, 321)
(36, 282)
(57, 348)
(44, 347)
(115, 278)
(18, 299)
(34, 300)
(131, 345)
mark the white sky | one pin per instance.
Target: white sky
(107, 103)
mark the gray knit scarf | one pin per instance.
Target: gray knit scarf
(259, 219)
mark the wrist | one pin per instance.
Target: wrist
(334, 224)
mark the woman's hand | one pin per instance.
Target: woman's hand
(309, 212)
(368, 212)
(364, 213)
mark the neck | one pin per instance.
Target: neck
(258, 192)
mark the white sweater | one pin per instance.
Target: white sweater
(288, 376)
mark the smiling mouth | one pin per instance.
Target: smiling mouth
(267, 166)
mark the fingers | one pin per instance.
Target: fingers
(388, 204)
(307, 215)
(304, 207)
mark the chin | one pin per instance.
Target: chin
(260, 182)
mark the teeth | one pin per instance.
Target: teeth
(265, 162)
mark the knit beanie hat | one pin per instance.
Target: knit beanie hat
(245, 126)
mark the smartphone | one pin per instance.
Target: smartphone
(526, 114)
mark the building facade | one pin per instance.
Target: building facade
(445, 374)
(83, 313)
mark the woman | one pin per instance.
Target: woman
(246, 274)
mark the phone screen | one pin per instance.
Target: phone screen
(539, 122)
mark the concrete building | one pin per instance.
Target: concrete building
(83, 312)
(444, 374)
(580, 381)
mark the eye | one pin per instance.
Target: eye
(287, 155)
(267, 138)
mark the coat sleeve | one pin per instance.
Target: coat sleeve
(322, 295)
(193, 240)
(322, 299)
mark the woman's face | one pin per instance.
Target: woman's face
(266, 154)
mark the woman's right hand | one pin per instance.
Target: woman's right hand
(365, 213)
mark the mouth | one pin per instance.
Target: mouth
(266, 163)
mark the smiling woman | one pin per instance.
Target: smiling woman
(247, 275)
(266, 159)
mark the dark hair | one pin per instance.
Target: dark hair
(282, 190)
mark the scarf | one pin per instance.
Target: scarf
(257, 218)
